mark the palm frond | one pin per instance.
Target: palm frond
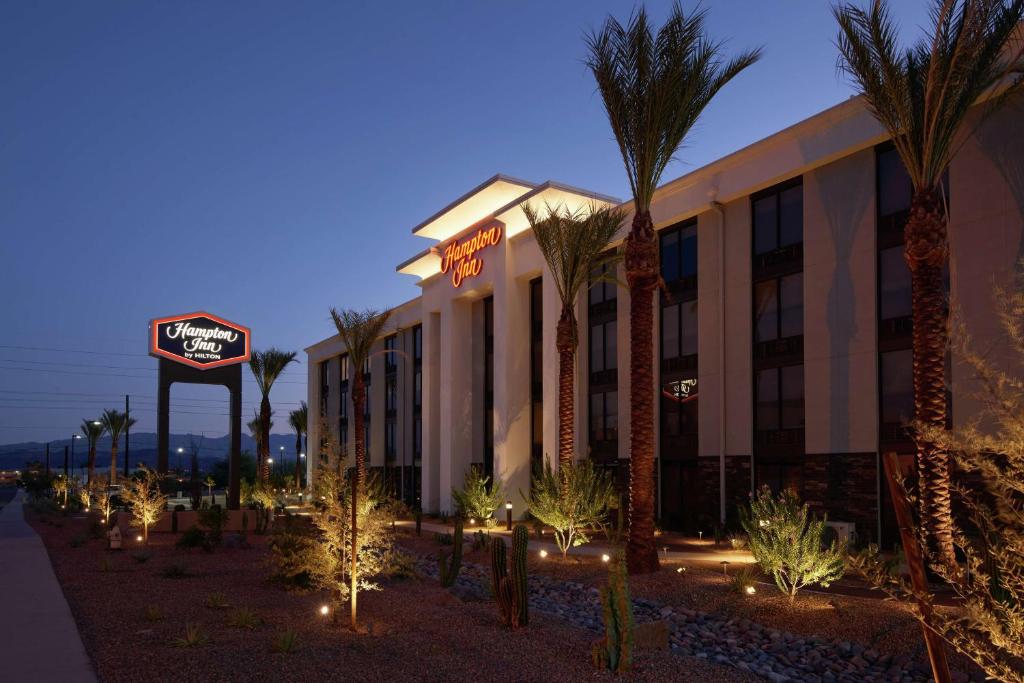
(298, 418)
(358, 331)
(267, 366)
(922, 95)
(114, 423)
(655, 87)
(92, 430)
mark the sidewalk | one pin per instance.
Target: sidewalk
(39, 639)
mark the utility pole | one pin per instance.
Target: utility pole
(127, 429)
(66, 461)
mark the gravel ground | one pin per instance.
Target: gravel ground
(417, 631)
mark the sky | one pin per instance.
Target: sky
(265, 161)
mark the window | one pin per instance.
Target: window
(679, 330)
(391, 395)
(417, 343)
(602, 292)
(780, 398)
(325, 386)
(679, 252)
(894, 186)
(779, 308)
(897, 386)
(604, 416)
(390, 357)
(894, 284)
(390, 441)
(778, 219)
(343, 403)
(603, 347)
(536, 373)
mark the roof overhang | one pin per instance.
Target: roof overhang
(472, 207)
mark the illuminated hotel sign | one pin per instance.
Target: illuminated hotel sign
(681, 391)
(199, 340)
(461, 257)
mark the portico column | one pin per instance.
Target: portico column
(456, 399)
(430, 463)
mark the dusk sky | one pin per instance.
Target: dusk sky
(265, 161)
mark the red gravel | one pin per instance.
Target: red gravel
(417, 631)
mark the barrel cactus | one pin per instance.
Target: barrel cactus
(451, 563)
(615, 650)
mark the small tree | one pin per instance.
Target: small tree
(989, 628)
(788, 542)
(101, 495)
(60, 487)
(209, 483)
(261, 495)
(147, 503)
(571, 502)
(84, 498)
(478, 498)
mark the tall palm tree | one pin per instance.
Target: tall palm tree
(922, 97)
(114, 423)
(266, 367)
(574, 244)
(298, 419)
(92, 430)
(654, 89)
(255, 426)
(358, 331)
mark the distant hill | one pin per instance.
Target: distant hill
(143, 449)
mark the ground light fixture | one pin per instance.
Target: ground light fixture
(508, 514)
(680, 570)
(543, 553)
(751, 590)
(139, 539)
(324, 610)
(606, 557)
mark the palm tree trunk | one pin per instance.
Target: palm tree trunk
(358, 403)
(564, 342)
(92, 464)
(927, 255)
(113, 461)
(265, 439)
(641, 260)
(298, 449)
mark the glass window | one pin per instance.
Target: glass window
(894, 186)
(611, 416)
(417, 382)
(791, 313)
(596, 348)
(791, 396)
(343, 404)
(765, 238)
(688, 246)
(417, 342)
(897, 386)
(344, 368)
(611, 345)
(670, 266)
(602, 291)
(596, 417)
(670, 332)
(791, 216)
(766, 311)
(767, 399)
(894, 281)
(688, 321)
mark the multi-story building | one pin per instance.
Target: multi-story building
(783, 330)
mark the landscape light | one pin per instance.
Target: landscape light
(139, 539)
(508, 505)
(325, 610)
(751, 590)
(606, 557)
(472, 521)
(680, 570)
(270, 461)
(543, 553)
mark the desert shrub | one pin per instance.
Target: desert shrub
(194, 636)
(285, 642)
(193, 537)
(398, 565)
(142, 556)
(78, 540)
(175, 570)
(96, 530)
(742, 580)
(213, 518)
(243, 617)
(571, 502)
(478, 498)
(216, 601)
(290, 548)
(481, 540)
(152, 613)
(737, 541)
(261, 497)
(787, 542)
(443, 538)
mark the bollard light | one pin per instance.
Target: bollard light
(543, 554)
(325, 610)
(680, 570)
(508, 514)
(606, 557)
(139, 539)
(751, 590)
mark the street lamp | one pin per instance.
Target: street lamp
(74, 437)
(281, 460)
(180, 451)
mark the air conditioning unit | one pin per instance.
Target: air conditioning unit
(846, 532)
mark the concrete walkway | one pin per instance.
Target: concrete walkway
(39, 639)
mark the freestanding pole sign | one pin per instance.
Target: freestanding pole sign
(200, 348)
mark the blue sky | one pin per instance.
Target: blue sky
(267, 160)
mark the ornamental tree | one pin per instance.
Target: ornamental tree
(571, 502)
(147, 503)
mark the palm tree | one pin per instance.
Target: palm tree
(114, 423)
(266, 367)
(255, 426)
(922, 97)
(298, 419)
(654, 89)
(574, 244)
(358, 331)
(92, 430)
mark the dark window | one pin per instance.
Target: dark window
(604, 416)
(778, 219)
(679, 252)
(390, 441)
(780, 398)
(343, 403)
(390, 357)
(897, 387)
(679, 330)
(536, 373)
(604, 290)
(894, 187)
(325, 386)
(779, 308)
(894, 299)
(417, 343)
(603, 347)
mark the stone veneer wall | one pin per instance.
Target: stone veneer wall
(844, 486)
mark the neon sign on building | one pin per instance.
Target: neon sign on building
(461, 257)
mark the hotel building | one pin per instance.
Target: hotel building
(783, 341)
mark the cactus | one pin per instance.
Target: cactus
(450, 564)
(615, 650)
(510, 587)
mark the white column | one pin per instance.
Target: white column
(457, 398)
(431, 461)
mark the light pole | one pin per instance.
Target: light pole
(280, 459)
(302, 473)
(74, 464)
(180, 451)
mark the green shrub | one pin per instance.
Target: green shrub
(194, 537)
(290, 547)
(614, 651)
(478, 498)
(443, 539)
(213, 518)
(742, 580)
(243, 617)
(142, 556)
(481, 540)
(737, 541)
(194, 636)
(788, 542)
(570, 502)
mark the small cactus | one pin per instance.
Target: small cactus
(510, 589)
(450, 564)
(615, 650)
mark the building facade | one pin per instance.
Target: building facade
(783, 329)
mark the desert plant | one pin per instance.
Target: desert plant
(450, 563)
(571, 502)
(92, 430)
(209, 483)
(989, 629)
(788, 542)
(398, 565)
(194, 636)
(266, 367)
(742, 580)
(84, 498)
(615, 650)
(114, 423)
(152, 613)
(443, 538)
(244, 617)
(261, 495)
(481, 540)
(923, 97)
(285, 642)
(216, 601)
(101, 496)
(478, 498)
(510, 587)
(142, 494)
(61, 486)
(78, 540)
(193, 537)
(299, 421)
(737, 541)
(654, 89)
(290, 548)
(213, 518)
